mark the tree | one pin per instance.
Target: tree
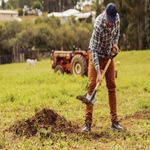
(147, 23)
(13, 3)
(37, 5)
(3, 4)
(9, 6)
(136, 20)
(58, 5)
(97, 7)
(21, 3)
(132, 22)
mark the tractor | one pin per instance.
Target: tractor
(74, 62)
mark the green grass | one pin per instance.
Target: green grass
(24, 90)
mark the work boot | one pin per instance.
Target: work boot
(86, 128)
(116, 126)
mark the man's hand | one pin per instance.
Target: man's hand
(115, 49)
(99, 77)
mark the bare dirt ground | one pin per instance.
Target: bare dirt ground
(144, 114)
(55, 125)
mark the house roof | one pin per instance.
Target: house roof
(55, 14)
(67, 13)
(70, 12)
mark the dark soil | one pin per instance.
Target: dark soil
(48, 124)
(144, 115)
(44, 119)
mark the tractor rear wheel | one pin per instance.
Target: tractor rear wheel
(79, 65)
(59, 69)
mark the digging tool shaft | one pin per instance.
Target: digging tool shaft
(83, 97)
(103, 74)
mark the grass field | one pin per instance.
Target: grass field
(24, 90)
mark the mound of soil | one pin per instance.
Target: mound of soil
(46, 118)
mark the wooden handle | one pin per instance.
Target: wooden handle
(103, 74)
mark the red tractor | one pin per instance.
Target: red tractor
(75, 62)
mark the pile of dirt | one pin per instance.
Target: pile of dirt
(47, 119)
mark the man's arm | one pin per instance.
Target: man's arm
(94, 44)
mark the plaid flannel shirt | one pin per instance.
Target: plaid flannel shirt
(103, 38)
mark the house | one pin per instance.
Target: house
(9, 15)
(84, 6)
(64, 16)
(87, 5)
(88, 17)
(30, 11)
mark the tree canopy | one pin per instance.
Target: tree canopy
(135, 23)
(134, 15)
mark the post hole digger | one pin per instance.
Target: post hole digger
(89, 101)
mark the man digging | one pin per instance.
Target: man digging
(103, 43)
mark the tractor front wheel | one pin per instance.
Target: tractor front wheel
(79, 65)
